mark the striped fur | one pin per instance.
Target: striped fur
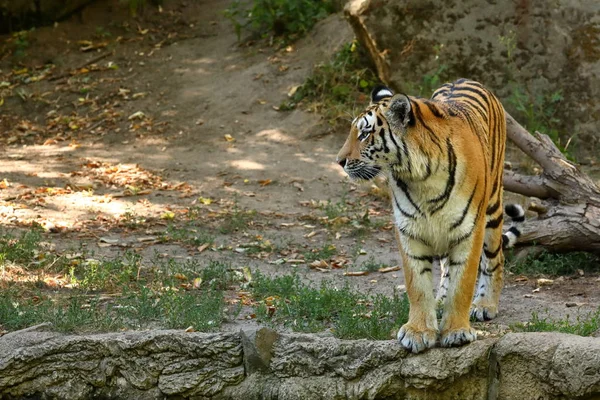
(443, 158)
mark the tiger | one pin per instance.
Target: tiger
(443, 158)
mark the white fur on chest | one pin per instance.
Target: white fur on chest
(435, 229)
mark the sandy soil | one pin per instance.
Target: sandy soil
(189, 115)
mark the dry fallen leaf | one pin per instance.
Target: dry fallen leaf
(229, 138)
(196, 283)
(521, 279)
(388, 269)
(545, 282)
(190, 329)
(356, 273)
(319, 264)
(265, 182)
(203, 247)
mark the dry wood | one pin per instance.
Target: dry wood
(569, 214)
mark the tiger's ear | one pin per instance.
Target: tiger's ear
(399, 111)
(380, 92)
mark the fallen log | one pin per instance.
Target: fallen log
(566, 201)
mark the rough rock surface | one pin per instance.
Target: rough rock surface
(262, 364)
(544, 48)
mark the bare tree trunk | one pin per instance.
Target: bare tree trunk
(568, 201)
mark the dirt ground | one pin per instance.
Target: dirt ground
(174, 114)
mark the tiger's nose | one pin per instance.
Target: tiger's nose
(342, 162)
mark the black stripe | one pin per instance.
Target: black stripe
(425, 270)
(452, 263)
(518, 219)
(420, 258)
(493, 138)
(492, 209)
(489, 271)
(445, 196)
(461, 239)
(404, 213)
(515, 231)
(434, 110)
(379, 121)
(465, 210)
(402, 186)
(492, 254)
(477, 100)
(407, 156)
(413, 237)
(432, 134)
(383, 141)
(494, 189)
(494, 223)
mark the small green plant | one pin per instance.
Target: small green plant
(371, 265)
(323, 253)
(22, 250)
(347, 313)
(21, 43)
(582, 325)
(535, 110)
(236, 220)
(537, 113)
(187, 235)
(553, 264)
(288, 19)
(337, 88)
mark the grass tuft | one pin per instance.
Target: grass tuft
(553, 264)
(286, 301)
(582, 325)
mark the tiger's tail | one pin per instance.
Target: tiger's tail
(517, 216)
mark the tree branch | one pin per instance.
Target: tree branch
(533, 186)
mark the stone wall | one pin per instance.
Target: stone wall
(544, 47)
(262, 364)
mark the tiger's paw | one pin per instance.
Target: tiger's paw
(458, 337)
(416, 340)
(483, 312)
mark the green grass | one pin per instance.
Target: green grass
(338, 89)
(187, 234)
(349, 314)
(322, 253)
(371, 265)
(553, 264)
(100, 294)
(284, 19)
(582, 325)
(236, 220)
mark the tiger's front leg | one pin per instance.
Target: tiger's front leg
(463, 264)
(421, 330)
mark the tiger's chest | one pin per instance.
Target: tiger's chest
(420, 215)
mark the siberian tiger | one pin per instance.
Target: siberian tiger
(444, 159)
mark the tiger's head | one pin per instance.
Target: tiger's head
(373, 143)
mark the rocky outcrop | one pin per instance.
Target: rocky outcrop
(262, 364)
(543, 49)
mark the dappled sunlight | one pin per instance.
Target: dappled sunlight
(275, 135)
(247, 165)
(11, 273)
